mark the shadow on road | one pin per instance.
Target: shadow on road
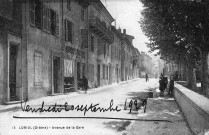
(117, 125)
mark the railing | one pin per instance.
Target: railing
(102, 29)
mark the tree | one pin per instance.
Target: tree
(175, 28)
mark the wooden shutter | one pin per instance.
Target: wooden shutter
(44, 18)
(38, 65)
(84, 36)
(57, 25)
(66, 30)
(48, 20)
(73, 37)
(32, 12)
(68, 4)
(70, 31)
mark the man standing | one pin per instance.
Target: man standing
(85, 83)
(171, 86)
(163, 84)
(147, 77)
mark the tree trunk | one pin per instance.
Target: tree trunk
(184, 70)
(204, 76)
(191, 82)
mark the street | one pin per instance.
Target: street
(118, 93)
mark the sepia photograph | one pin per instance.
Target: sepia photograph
(104, 67)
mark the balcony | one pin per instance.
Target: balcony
(101, 29)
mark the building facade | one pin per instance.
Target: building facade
(116, 55)
(127, 57)
(48, 46)
(13, 79)
(101, 38)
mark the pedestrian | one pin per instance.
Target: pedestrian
(171, 86)
(147, 77)
(163, 84)
(85, 83)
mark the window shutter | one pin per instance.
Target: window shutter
(66, 30)
(48, 20)
(73, 37)
(38, 65)
(84, 36)
(68, 4)
(44, 18)
(70, 31)
(57, 24)
(32, 12)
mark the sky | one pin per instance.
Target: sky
(127, 13)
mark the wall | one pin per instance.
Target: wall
(195, 108)
(48, 45)
(10, 16)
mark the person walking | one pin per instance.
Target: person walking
(163, 84)
(147, 77)
(85, 84)
(171, 86)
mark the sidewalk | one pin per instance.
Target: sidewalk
(160, 109)
(48, 99)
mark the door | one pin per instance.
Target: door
(12, 71)
(117, 74)
(98, 74)
(56, 73)
(78, 70)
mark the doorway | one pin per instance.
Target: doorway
(78, 70)
(56, 74)
(13, 51)
(98, 74)
(117, 74)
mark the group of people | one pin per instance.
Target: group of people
(164, 83)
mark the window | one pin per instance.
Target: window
(53, 22)
(82, 14)
(69, 31)
(38, 65)
(38, 13)
(68, 4)
(84, 38)
(107, 72)
(92, 43)
(92, 72)
(105, 51)
(119, 55)
(108, 49)
(35, 13)
(103, 71)
(68, 68)
(43, 18)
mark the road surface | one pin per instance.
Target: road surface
(112, 99)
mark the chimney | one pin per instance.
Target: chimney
(124, 31)
(119, 30)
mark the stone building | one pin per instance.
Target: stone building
(43, 46)
(42, 34)
(13, 75)
(147, 63)
(48, 46)
(136, 63)
(116, 55)
(101, 38)
(126, 62)
(75, 42)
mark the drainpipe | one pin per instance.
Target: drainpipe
(63, 47)
(87, 50)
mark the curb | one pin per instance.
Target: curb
(17, 106)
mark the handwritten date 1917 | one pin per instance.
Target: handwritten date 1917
(135, 104)
(83, 108)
